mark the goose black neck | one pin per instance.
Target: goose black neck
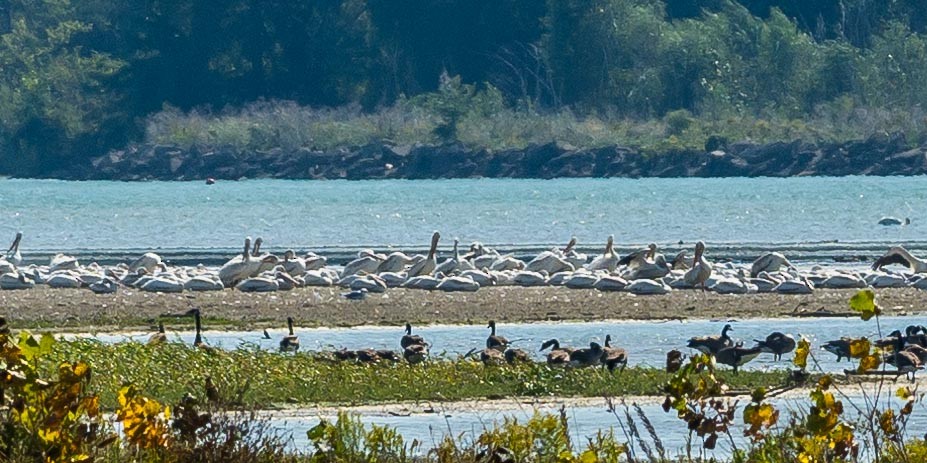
(198, 326)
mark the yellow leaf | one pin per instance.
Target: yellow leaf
(904, 393)
(588, 457)
(859, 348)
(869, 362)
(864, 303)
(887, 422)
(801, 353)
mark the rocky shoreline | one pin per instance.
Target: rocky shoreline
(877, 155)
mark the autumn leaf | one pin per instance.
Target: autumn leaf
(800, 359)
(859, 348)
(868, 363)
(864, 303)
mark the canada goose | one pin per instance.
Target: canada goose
(495, 342)
(777, 344)
(674, 359)
(906, 361)
(212, 392)
(416, 353)
(290, 342)
(492, 356)
(701, 268)
(367, 356)
(613, 356)
(587, 357)
(344, 354)
(736, 356)
(516, 355)
(266, 334)
(160, 337)
(198, 325)
(916, 335)
(900, 255)
(890, 340)
(770, 262)
(919, 352)
(426, 266)
(411, 339)
(557, 355)
(839, 347)
(712, 344)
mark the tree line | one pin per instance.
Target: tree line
(80, 77)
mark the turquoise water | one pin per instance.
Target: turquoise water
(812, 215)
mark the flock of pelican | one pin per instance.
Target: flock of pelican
(641, 272)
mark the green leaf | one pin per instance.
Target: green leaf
(46, 344)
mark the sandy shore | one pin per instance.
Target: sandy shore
(64, 308)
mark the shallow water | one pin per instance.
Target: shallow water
(811, 217)
(646, 341)
(584, 422)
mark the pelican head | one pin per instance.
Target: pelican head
(257, 246)
(653, 250)
(610, 244)
(288, 254)
(570, 245)
(247, 247)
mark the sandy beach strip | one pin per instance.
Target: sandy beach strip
(48, 308)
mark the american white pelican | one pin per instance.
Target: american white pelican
(395, 262)
(886, 280)
(552, 261)
(244, 266)
(644, 286)
(63, 280)
(769, 262)
(258, 284)
(293, 264)
(458, 283)
(611, 283)
(529, 278)
(795, 287)
(481, 256)
(701, 268)
(480, 277)
(16, 280)
(393, 279)
(205, 282)
(575, 258)
(63, 262)
(148, 261)
(318, 278)
(265, 261)
(371, 283)
(426, 282)
(13, 255)
(314, 261)
(842, 281)
(427, 266)
(367, 262)
(582, 280)
(161, 284)
(454, 263)
(285, 281)
(608, 260)
(645, 264)
(104, 286)
(900, 255)
(729, 285)
(505, 263)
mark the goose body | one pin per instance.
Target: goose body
(290, 342)
(409, 339)
(587, 357)
(712, 344)
(777, 344)
(839, 347)
(160, 337)
(737, 356)
(494, 341)
(557, 355)
(613, 356)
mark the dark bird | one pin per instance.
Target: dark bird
(906, 361)
(290, 342)
(557, 355)
(212, 392)
(516, 356)
(409, 339)
(712, 344)
(613, 356)
(840, 347)
(416, 353)
(356, 295)
(674, 359)
(777, 344)
(266, 334)
(160, 337)
(492, 356)
(198, 325)
(587, 357)
(493, 341)
(736, 356)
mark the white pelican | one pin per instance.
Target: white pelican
(582, 280)
(480, 277)
(393, 279)
(611, 283)
(507, 262)
(701, 268)
(63, 262)
(285, 281)
(769, 262)
(454, 263)
(726, 285)
(258, 284)
(795, 287)
(293, 264)
(481, 256)
(265, 262)
(552, 261)
(238, 268)
(395, 262)
(314, 261)
(458, 283)
(16, 280)
(13, 255)
(529, 278)
(900, 255)
(645, 264)
(63, 280)
(371, 283)
(841, 281)
(148, 261)
(6, 266)
(572, 256)
(104, 286)
(427, 266)
(317, 278)
(205, 282)
(608, 260)
(647, 287)
(422, 282)
(367, 262)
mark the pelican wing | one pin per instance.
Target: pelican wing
(891, 257)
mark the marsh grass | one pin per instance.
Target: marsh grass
(248, 377)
